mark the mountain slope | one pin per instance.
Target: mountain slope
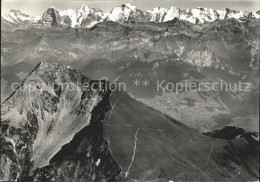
(160, 148)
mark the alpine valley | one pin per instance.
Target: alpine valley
(143, 132)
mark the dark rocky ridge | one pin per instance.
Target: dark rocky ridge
(232, 133)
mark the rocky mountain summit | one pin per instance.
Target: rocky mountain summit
(43, 115)
(85, 17)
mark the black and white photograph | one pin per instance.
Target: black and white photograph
(130, 91)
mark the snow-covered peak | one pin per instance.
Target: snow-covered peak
(15, 16)
(120, 13)
(84, 9)
(157, 14)
(130, 6)
(126, 12)
(171, 13)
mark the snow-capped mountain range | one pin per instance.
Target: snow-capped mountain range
(85, 17)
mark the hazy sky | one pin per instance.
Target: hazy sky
(37, 7)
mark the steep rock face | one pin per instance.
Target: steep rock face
(86, 156)
(52, 105)
(51, 17)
